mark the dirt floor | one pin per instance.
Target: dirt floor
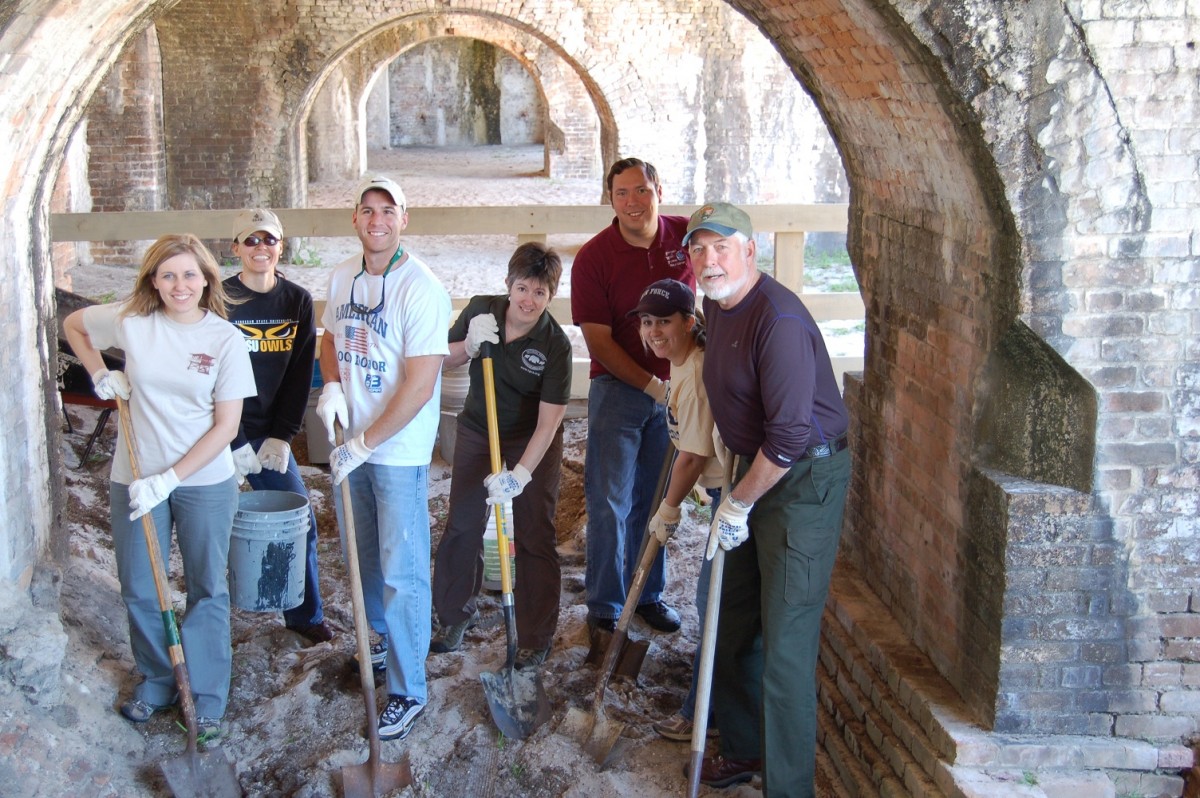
(296, 714)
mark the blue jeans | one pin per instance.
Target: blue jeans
(203, 522)
(627, 443)
(391, 525)
(688, 710)
(311, 610)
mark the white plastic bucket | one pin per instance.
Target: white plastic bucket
(267, 551)
(491, 549)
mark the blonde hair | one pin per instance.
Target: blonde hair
(145, 299)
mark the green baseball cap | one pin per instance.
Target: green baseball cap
(721, 218)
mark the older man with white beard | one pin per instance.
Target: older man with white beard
(777, 405)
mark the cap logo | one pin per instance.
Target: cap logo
(706, 212)
(662, 292)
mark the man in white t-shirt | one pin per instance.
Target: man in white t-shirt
(381, 356)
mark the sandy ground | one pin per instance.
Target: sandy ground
(296, 713)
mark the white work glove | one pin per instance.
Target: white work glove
(656, 389)
(275, 455)
(147, 493)
(246, 462)
(482, 329)
(504, 486)
(730, 527)
(332, 404)
(110, 384)
(347, 457)
(665, 522)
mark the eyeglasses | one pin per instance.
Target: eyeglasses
(356, 307)
(254, 241)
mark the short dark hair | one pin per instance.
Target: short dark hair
(534, 260)
(631, 163)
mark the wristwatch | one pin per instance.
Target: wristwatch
(739, 504)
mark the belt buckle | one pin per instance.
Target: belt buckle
(820, 450)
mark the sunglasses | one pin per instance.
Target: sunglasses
(363, 309)
(254, 241)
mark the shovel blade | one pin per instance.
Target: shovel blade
(517, 701)
(201, 775)
(629, 661)
(602, 739)
(374, 779)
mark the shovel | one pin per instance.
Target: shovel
(631, 653)
(373, 777)
(517, 700)
(204, 775)
(708, 645)
(603, 733)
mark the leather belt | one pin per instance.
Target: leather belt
(827, 449)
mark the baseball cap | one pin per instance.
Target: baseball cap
(721, 218)
(664, 298)
(380, 183)
(254, 219)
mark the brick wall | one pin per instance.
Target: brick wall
(286, 53)
(441, 91)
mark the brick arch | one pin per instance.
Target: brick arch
(970, 190)
(46, 79)
(564, 88)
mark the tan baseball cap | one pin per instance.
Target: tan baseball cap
(380, 183)
(254, 219)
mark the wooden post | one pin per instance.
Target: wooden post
(789, 260)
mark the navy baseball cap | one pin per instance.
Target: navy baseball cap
(664, 298)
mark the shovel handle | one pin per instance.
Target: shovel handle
(170, 626)
(650, 547)
(708, 646)
(362, 642)
(493, 429)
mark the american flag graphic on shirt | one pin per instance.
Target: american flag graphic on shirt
(356, 340)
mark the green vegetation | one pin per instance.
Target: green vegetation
(828, 270)
(105, 298)
(306, 256)
(1029, 778)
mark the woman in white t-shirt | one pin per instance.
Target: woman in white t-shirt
(186, 373)
(672, 330)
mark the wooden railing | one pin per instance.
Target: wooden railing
(789, 223)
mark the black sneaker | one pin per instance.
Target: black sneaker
(659, 616)
(398, 717)
(379, 652)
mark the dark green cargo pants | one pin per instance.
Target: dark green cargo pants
(772, 597)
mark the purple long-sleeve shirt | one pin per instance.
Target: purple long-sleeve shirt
(768, 376)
